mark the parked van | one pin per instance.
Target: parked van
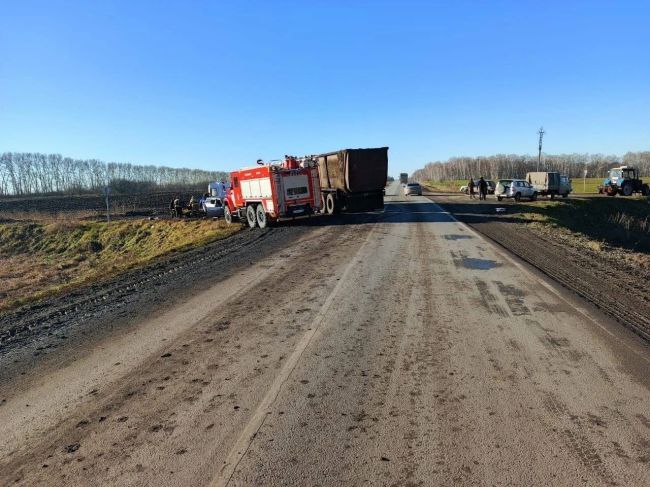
(545, 183)
(565, 186)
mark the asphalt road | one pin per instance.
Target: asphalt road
(401, 349)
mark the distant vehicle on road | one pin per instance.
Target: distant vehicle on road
(565, 186)
(413, 188)
(213, 207)
(516, 189)
(490, 183)
(403, 178)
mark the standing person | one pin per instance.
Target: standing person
(482, 188)
(178, 207)
(470, 188)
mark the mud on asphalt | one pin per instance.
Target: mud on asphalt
(96, 310)
(619, 289)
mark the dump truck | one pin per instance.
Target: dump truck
(403, 178)
(353, 179)
(545, 183)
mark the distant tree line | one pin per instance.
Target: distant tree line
(25, 173)
(516, 166)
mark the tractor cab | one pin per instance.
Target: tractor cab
(620, 174)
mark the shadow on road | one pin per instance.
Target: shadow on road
(393, 212)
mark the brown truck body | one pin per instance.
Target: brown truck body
(355, 178)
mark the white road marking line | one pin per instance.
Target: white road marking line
(248, 434)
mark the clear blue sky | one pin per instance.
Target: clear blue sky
(218, 84)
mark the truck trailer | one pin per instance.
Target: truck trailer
(353, 179)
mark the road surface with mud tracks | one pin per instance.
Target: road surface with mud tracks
(401, 349)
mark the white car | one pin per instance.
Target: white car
(515, 188)
(413, 188)
(213, 207)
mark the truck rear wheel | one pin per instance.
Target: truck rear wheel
(250, 216)
(227, 215)
(262, 220)
(330, 204)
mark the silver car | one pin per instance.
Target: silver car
(413, 188)
(213, 207)
(515, 188)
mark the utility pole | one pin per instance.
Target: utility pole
(539, 156)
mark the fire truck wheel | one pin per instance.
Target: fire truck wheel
(250, 216)
(262, 221)
(227, 215)
(330, 204)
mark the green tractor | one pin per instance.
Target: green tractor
(625, 181)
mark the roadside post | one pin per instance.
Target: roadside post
(584, 181)
(107, 192)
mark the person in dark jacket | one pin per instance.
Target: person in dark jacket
(482, 189)
(178, 207)
(470, 188)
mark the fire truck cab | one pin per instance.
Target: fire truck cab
(264, 194)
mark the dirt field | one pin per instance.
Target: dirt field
(93, 205)
(613, 276)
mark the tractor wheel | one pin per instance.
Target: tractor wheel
(227, 215)
(250, 216)
(262, 220)
(330, 204)
(645, 190)
(518, 197)
(627, 189)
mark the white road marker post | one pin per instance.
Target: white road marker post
(584, 181)
(107, 192)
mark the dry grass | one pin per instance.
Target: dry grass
(40, 258)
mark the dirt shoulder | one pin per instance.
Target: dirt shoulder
(58, 324)
(611, 274)
(62, 255)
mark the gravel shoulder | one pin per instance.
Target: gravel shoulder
(606, 278)
(58, 325)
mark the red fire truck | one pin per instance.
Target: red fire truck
(263, 194)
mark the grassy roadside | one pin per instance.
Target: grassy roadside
(580, 186)
(616, 222)
(43, 258)
(616, 228)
